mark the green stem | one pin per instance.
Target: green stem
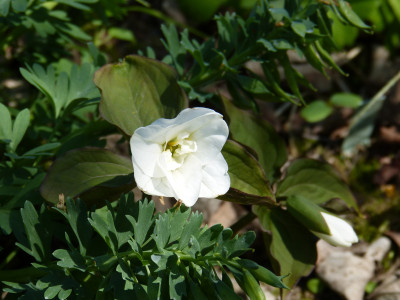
(9, 258)
(21, 275)
(159, 15)
(242, 222)
(378, 97)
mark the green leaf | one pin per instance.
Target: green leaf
(77, 217)
(138, 91)
(247, 177)
(264, 275)
(19, 5)
(106, 229)
(174, 47)
(70, 259)
(5, 124)
(38, 237)
(253, 85)
(191, 228)
(162, 231)
(177, 286)
(362, 124)
(299, 28)
(315, 181)
(346, 100)
(145, 220)
(82, 169)
(291, 245)
(350, 15)
(251, 286)
(41, 150)
(20, 126)
(257, 134)
(316, 111)
(4, 7)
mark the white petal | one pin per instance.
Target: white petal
(342, 234)
(191, 119)
(215, 181)
(152, 185)
(186, 181)
(145, 156)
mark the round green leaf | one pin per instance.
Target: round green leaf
(82, 169)
(346, 100)
(138, 91)
(316, 111)
(316, 181)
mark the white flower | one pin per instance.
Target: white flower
(181, 157)
(342, 234)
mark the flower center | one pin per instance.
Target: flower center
(176, 151)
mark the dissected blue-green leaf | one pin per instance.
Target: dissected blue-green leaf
(20, 126)
(37, 235)
(5, 124)
(192, 227)
(142, 225)
(70, 259)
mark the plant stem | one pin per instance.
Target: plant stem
(21, 275)
(242, 222)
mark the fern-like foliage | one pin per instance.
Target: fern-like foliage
(130, 253)
(266, 36)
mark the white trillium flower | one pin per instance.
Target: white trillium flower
(342, 234)
(181, 157)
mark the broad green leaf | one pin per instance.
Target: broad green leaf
(20, 126)
(346, 100)
(316, 181)
(19, 5)
(82, 169)
(248, 182)
(257, 134)
(291, 245)
(4, 7)
(316, 111)
(5, 124)
(138, 91)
